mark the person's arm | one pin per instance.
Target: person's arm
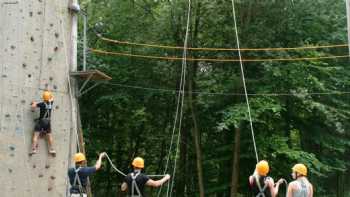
(99, 161)
(277, 186)
(290, 190)
(158, 183)
(34, 105)
(251, 180)
(311, 191)
(124, 187)
(270, 183)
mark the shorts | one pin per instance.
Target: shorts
(78, 195)
(42, 126)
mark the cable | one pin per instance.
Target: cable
(98, 51)
(184, 63)
(229, 94)
(219, 49)
(244, 82)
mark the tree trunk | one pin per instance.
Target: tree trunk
(196, 137)
(235, 164)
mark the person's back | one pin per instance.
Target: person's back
(78, 175)
(260, 187)
(136, 181)
(300, 187)
(83, 174)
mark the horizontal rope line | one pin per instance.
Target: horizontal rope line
(230, 94)
(98, 51)
(221, 49)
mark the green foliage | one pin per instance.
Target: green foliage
(291, 124)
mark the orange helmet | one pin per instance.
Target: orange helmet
(300, 168)
(138, 162)
(79, 157)
(47, 95)
(262, 168)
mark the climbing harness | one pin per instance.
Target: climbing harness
(261, 189)
(77, 181)
(134, 185)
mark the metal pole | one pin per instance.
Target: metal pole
(348, 20)
(85, 42)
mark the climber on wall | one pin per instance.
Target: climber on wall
(43, 123)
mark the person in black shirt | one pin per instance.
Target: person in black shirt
(262, 185)
(136, 181)
(78, 175)
(43, 123)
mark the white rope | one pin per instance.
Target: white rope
(244, 82)
(179, 109)
(122, 173)
(113, 166)
(184, 67)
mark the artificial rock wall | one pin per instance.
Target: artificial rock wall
(35, 43)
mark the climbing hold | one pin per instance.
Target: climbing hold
(47, 166)
(32, 38)
(4, 76)
(13, 47)
(55, 49)
(49, 59)
(12, 148)
(57, 107)
(30, 14)
(50, 78)
(49, 189)
(24, 65)
(34, 166)
(39, 13)
(29, 75)
(12, 155)
(7, 115)
(23, 101)
(10, 170)
(40, 175)
(54, 87)
(52, 177)
(57, 35)
(51, 24)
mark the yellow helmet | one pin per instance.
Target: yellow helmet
(262, 168)
(138, 162)
(79, 157)
(300, 168)
(47, 96)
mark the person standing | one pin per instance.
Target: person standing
(300, 187)
(136, 181)
(79, 174)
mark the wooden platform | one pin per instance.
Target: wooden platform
(95, 75)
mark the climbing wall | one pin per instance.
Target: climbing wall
(35, 43)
